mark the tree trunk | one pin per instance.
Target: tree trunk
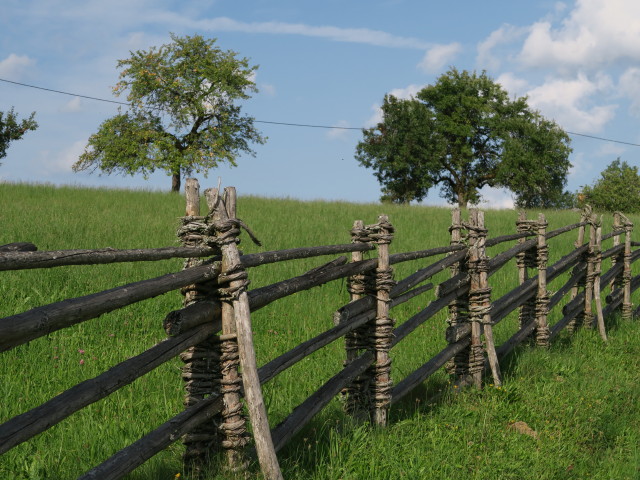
(175, 181)
(462, 199)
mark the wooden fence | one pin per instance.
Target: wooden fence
(212, 333)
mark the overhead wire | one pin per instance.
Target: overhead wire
(289, 124)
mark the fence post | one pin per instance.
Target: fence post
(227, 230)
(382, 334)
(623, 279)
(584, 216)
(480, 302)
(525, 260)
(587, 314)
(627, 306)
(233, 421)
(542, 297)
(597, 270)
(458, 308)
(358, 286)
(201, 370)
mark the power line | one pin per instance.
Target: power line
(307, 125)
(64, 93)
(605, 139)
(275, 123)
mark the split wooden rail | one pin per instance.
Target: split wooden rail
(212, 332)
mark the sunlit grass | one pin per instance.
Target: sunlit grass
(578, 397)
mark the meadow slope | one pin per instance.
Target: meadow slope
(578, 399)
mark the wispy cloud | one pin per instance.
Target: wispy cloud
(438, 56)
(14, 67)
(340, 133)
(73, 105)
(338, 34)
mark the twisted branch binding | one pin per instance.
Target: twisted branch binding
(458, 310)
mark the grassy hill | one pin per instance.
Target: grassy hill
(567, 412)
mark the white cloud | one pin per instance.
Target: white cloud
(352, 35)
(14, 67)
(496, 198)
(517, 87)
(268, 89)
(630, 87)
(595, 33)
(73, 105)
(610, 150)
(51, 163)
(339, 133)
(505, 35)
(568, 102)
(438, 56)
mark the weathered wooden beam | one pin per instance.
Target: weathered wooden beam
(23, 327)
(18, 247)
(418, 319)
(516, 339)
(367, 303)
(404, 257)
(304, 412)
(264, 258)
(568, 316)
(24, 426)
(31, 260)
(418, 376)
(131, 457)
(22, 259)
(313, 278)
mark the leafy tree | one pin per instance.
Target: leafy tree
(617, 189)
(183, 116)
(13, 129)
(464, 133)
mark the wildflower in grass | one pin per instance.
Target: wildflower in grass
(82, 361)
(80, 351)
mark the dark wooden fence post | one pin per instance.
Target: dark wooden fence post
(542, 297)
(592, 260)
(524, 261)
(358, 286)
(627, 306)
(458, 308)
(597, 270)
(578, 319)
(617, 225)
(382, 334)
(201, 371)
(233, 421)
(227, 231)
(480, 303)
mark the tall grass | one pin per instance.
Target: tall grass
(576, 399)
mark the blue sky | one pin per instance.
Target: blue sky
(323, 63)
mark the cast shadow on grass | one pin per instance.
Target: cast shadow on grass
(311, 450)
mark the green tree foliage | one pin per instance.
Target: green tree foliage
(464, 133)
(13, 129)
(617, 189)
(183, 115)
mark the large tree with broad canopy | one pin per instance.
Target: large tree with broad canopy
(461, 134)
(183, 114)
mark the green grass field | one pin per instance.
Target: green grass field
(570, 412)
